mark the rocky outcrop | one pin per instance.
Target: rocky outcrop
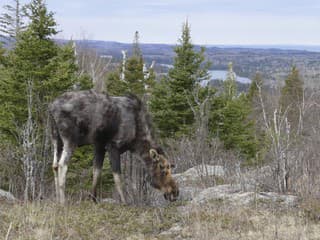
(248, 190)
(234, 195)
(6, 196)
(199, 172)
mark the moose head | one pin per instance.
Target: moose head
(161, 176)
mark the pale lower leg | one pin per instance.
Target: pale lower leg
(55, 169)
(96, 177)
(117, 182)
(62, 172)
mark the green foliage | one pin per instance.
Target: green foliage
(175, 98)
(52, 70)
(42, 23)
(36, 58)
(135, 81)
(230, 120)
(162, 115)
(235, 130)
(256, 115)
(11, 21)
(253, 93)
(134, 75)
(292, 97)
(229, 85)
(80, 172)
(114, 85)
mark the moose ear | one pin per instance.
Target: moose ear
(154, 155)
(172, 165)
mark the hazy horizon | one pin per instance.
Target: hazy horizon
(213, 22)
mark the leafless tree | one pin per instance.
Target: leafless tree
(29, 152)
(90, 62)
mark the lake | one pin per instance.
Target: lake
(218, 75)
(222, 75)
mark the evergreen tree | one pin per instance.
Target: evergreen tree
(229, 85)
(256, 113)
(253, 92)
(11, 21)
(135, 79)
(163, 116)
(136, 50)
(114, 85)
(230, 119)
(188, 70)
(35, 58)
(134, 75)
(292, 97)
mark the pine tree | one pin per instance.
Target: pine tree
(188, 70)
(292, 97)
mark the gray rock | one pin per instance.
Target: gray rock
(234, 195)
(7, 196)
(108, 200)
(219, 192)
(189, 193)
(174, 230)
(197, 172)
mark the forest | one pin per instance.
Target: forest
(247, 162)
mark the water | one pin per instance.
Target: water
(218, 75)
(222, 75)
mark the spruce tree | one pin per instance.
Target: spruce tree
(12, 20)
(230, 120)
(135, 80)
(37, 58)
(292, 97)
(229, 85)
(253, 93)
(189, 69)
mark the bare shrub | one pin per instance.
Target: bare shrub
(293, 152)
(90, 62)
(11, 173)
(136, 187)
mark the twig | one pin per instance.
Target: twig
(8, 232)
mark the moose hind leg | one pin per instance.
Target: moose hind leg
(116, 171)
(117, 182)
(97, 167)
(63, 168)
(57, 145)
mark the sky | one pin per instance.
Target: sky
(243, 22)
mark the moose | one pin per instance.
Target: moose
(109, 123)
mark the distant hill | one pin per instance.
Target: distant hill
(273, 63)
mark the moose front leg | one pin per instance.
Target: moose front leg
(116, 171)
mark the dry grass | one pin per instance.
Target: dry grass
(215, 220)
